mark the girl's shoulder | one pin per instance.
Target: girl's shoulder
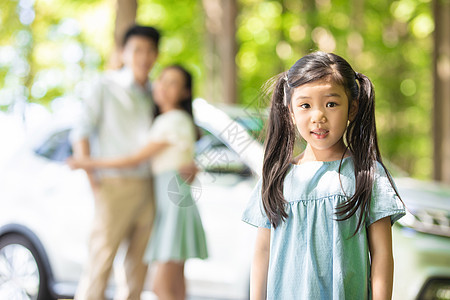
(382, 173)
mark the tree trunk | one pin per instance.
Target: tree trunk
(125, 17)
(221, 50)
(441, 73)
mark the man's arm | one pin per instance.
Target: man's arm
(87, 123)
(81, 149)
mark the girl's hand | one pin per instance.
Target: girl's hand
(79, 163)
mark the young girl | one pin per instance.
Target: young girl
(324, 218)
(177, 233)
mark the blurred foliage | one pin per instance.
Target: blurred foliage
(182, 28)
(389, 41)
(51, 49)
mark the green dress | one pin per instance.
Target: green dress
(312, 255)
(178, 231)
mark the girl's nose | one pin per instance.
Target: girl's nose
(318, 116)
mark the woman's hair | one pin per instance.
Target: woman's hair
(361, 135)
(185, 103)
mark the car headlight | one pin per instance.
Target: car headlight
(432, 221)
(436, 288)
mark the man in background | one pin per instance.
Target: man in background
(115, 121)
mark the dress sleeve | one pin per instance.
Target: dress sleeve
(254, 213)
(385, 202)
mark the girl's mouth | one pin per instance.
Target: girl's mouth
(319, 133)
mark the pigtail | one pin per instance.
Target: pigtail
(362, 142)
(278, 151)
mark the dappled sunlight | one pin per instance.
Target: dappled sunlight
(52, 48)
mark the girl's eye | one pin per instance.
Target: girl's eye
(331, 104)
(305, 105)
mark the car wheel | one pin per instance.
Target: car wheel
(22, 273)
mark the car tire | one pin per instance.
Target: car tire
(22, 270)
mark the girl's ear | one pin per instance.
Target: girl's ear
(353, 110)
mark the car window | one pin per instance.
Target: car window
(254, 126)
(56, 147)
(215, 157)
(211, 154)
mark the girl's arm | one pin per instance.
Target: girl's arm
(382, 261)
(260, 265)
(122, 162)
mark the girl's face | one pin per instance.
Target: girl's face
(170, 88)
(320, 111)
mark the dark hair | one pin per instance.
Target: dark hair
(186, 103)
(361, 135)
(145, 31)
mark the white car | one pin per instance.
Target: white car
(421, 242)
(46, 210)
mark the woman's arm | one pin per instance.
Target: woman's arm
(382, 261)
(188, 172)
(122, 162)
(260, 265)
